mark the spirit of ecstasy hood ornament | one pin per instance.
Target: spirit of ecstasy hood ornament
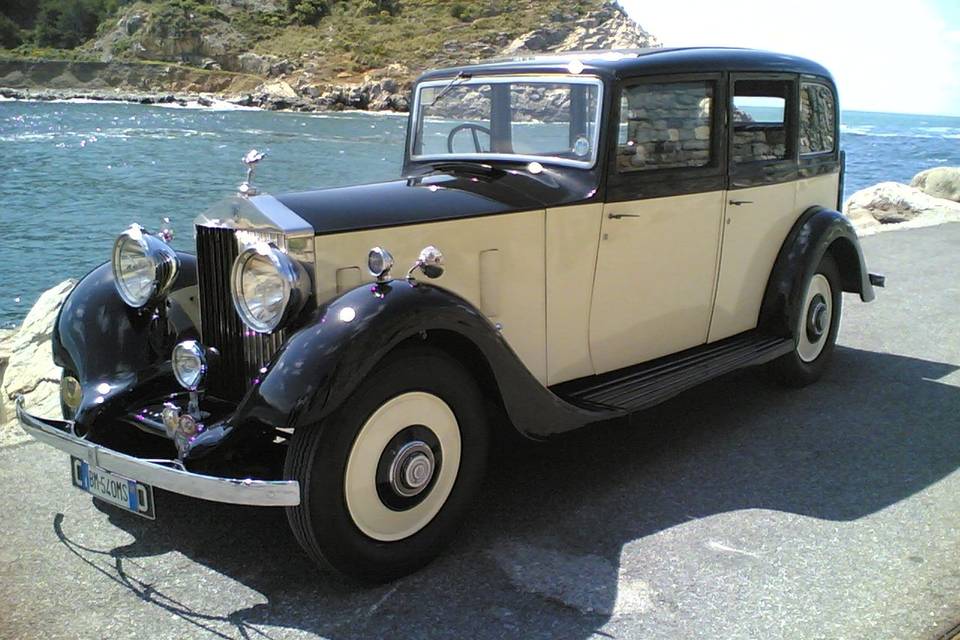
(251, 159)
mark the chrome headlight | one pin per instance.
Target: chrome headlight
(144, 266)
(268, 287)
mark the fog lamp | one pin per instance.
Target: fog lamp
(70, 393)
(189, 364)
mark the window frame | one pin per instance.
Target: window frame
(805, 79)
(653, 183)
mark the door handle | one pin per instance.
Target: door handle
(737, 203)
(617, 216)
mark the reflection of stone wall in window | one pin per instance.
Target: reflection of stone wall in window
(763, 143)
(459, 103)
(540, 103)
(817, 130)
(667, 126)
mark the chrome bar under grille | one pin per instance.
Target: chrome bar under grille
(243, 352)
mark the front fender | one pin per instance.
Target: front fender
(117, 352)
(816, 232)
(321, 365)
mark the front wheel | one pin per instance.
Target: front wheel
(816, 328)
(386, 479)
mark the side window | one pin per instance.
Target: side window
(817, 118)
(665, 126)
(760, 120)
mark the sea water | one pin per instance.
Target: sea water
(73, 175)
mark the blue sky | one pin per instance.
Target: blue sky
(897, 56)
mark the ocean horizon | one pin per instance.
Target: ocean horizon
(75, 174)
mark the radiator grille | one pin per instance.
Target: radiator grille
(243, 352)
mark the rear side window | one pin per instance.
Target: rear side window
(759, 120)
(665, 126)
(817, 118)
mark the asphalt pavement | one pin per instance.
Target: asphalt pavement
(736, 510)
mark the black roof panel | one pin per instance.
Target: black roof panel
(620, 63)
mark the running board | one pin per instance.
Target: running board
(653, 382)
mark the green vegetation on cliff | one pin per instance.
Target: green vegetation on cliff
(341, 37)
(285, 54)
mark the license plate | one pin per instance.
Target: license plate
(127, 494)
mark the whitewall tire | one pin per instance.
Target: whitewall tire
(816, 323)
(420, 469)
(386, 480)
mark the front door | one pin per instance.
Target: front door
(660, 235)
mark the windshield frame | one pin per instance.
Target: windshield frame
(551, 78)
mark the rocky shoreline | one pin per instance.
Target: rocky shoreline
(380, 95)
(79, 95)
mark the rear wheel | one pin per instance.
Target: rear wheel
(386, 480)
(816, 328)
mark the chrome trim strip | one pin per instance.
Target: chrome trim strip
(557, 78)
(261, 493)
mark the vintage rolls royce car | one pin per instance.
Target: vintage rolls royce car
(573, 239)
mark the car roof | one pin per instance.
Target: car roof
(619, 63)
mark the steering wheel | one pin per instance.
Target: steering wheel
(474, 128)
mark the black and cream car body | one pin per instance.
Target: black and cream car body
(573, 239)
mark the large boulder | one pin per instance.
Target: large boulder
(29, 369)
(939, 182)
(892, 202)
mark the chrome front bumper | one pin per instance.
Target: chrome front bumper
(163, 474)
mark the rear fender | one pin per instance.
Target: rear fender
(818, 231)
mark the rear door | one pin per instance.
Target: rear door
(761, 200)
(660, 232)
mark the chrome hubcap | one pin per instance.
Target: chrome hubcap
(816, 318)
(814, 329)
(412, 468)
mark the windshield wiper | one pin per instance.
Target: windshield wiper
(446, 89)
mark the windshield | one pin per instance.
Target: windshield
(549, 119)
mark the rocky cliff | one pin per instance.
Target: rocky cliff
(243, 51)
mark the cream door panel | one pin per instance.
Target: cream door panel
(517, 241)
(752, 237)
(656, 273)
(572, 237)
